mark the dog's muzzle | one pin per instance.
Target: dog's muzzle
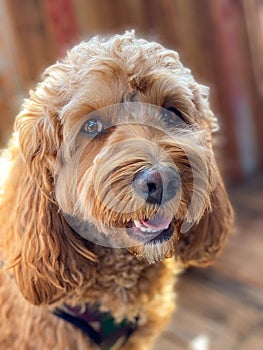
(156, 185)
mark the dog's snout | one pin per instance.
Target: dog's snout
(157, 186)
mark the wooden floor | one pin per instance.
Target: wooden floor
(221, 307)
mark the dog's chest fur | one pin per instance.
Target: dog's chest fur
(124, 284)
(132, 289)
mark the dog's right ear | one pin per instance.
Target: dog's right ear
(48, 259)
(42, 266)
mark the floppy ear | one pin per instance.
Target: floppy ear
(43, 265)
(205, 240)
(48, 259)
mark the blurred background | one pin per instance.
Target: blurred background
(222, 42)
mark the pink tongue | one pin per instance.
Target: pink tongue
(157, 222)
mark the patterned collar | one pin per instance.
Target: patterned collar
(100, 327)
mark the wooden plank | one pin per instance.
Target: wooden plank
(254, 27)
(236, 85)
(192, 327)
(210, 311)
(253, 341)
(32, 40)
(252, 22)
(165, 343)
(64, 25)
(230, 287)
(19, 59)
(10, 80)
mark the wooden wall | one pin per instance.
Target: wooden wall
(221, 40)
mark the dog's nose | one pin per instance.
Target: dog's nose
(157, 186)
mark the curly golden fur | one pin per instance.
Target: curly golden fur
(46, 262)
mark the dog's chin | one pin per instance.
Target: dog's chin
(153, 252)
(152, 246)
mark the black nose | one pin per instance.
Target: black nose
(157, 186)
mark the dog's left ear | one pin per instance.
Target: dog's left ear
(204, 241)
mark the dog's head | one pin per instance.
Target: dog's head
(117, 142)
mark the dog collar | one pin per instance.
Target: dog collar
(100, 327)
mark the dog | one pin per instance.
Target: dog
(111, 188)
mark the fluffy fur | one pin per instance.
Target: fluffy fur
(45, 262)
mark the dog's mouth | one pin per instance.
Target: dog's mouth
(154, 230)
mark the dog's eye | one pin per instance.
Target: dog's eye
(172, 116)
(92, 127)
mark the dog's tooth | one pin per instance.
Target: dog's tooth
(137, 223)
(147, 229)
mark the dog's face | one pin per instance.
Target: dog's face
(116, 147)
(136, 161)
